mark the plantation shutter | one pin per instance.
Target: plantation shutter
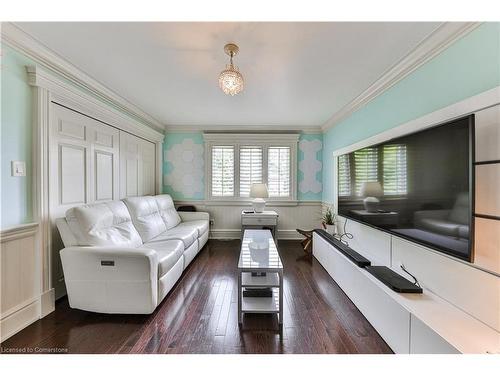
(250, 168)
(394, 172)
(344, 176)
(365, 166)
(223, 171)
(278, 174)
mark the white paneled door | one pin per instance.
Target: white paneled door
(92, 162)
(137, 166)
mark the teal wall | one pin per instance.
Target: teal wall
(16, 138)
(468, 67)
(175, 139)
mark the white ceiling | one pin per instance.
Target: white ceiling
(296, 74)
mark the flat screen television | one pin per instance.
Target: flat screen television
(419, 186)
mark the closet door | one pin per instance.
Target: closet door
(137, 166)
(83, 169)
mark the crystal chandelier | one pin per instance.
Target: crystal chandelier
(230, 79)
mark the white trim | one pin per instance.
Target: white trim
(18, 39)
(251, 138)
(18, 232)
(431, 46)
(68, 95)
(304, 129)
(20, 319)
(462, 108)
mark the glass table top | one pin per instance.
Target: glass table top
(258, 250)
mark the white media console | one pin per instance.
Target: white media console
(414, 323)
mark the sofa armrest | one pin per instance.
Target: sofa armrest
(418, 216)
(190, 216)
(111, 279)
(91, 262)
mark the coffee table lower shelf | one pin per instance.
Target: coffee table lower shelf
(261, 305)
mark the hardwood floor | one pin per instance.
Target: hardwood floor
(199, 316)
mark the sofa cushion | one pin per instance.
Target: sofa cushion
(201, 226)
(145, 216)
(445, 227)
(167, 210)
(169, 252)
(105, 224)
(460, 212)
(186, 234)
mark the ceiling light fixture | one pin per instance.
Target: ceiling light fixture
(230, 79)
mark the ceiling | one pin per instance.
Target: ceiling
(296, 74)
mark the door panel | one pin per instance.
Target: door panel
(72, 174)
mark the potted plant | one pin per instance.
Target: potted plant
(329, 221)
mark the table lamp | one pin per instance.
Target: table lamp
(259, 192)
(371, 191)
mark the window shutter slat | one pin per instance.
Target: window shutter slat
(250, 168)
(222, 171)
(278, 171)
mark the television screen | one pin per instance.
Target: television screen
(418, 186)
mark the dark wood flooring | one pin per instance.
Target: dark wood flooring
(199, 316)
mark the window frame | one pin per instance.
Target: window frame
(238, 140)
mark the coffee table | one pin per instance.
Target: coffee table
(264, 259)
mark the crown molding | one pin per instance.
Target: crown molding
(243, 128)
(440, 39)
(16, 38)
(66, 94)
(252, 137)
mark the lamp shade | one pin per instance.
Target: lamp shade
(371, 189)
(259, 191)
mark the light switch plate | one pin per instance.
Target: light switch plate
(18, 168)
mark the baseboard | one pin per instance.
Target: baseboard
(47, 302)
(19, 320)
(235, 234)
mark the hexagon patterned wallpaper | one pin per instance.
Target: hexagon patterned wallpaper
(184, 166)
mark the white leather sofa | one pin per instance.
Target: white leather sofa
(125, 256)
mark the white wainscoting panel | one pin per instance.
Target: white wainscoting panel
(470, 289)
(227, 218)
(20, 279)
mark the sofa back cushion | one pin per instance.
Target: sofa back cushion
(103, 224)
(460, 212)
(167, 210)
(145, 216)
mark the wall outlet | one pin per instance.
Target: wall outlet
(212, 222)
(18, 168)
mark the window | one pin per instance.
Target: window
(394, 162)
(344, 173)
(236, 161)
(278, 172)
(365, 167)
(223, 171)
(250, 168)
